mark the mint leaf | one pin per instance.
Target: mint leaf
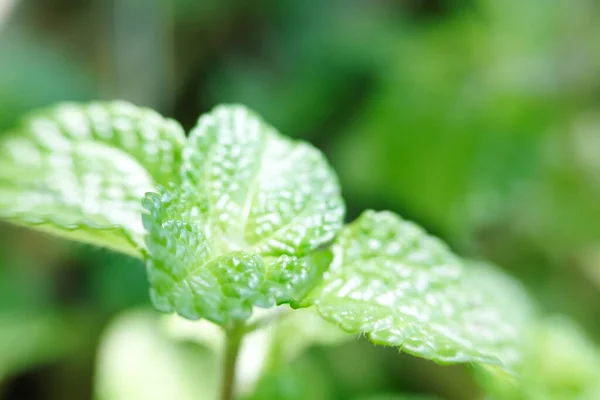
(80, 171)
(263, 191)
(404, 288)
(243, 228)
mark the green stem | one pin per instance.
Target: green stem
(233, 342)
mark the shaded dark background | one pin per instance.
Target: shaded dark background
(478, 119)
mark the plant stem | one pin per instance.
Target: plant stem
(233, 341)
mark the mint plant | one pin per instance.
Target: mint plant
(237, 217)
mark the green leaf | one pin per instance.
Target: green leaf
(81, 170)
(404, 288)
(243, 228)
(263, 191)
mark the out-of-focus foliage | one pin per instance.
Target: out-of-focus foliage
(302, 329)
(394, 397)
(290, 383)
(138, 361)
(171, 355)
(459, 115)
(29, 340)
(475, 118)
(34, 73)
(561, 363)
(268, 351)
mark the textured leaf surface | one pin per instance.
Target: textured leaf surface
(405, 288)
(242, 228)
(266, 192)
(81, 170)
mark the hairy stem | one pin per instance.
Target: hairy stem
(233, 341)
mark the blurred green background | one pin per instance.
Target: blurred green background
(478, 119)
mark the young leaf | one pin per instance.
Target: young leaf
(263, 191)
(81, 170)
(242, 229)
(404, 288)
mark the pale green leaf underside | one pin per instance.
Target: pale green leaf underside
(240, 230)
(404, 288)
(81, 171)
